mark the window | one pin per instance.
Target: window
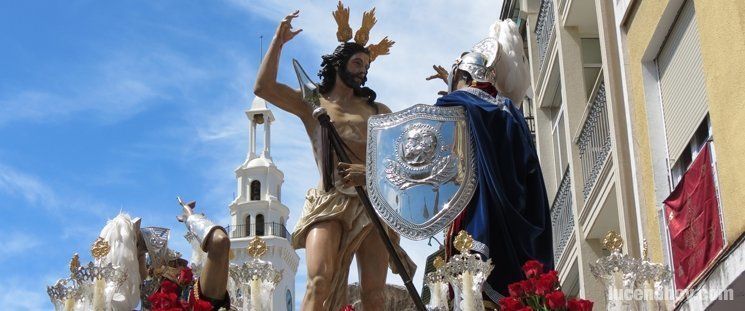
(592, 62)
(702, 134)
(259, 225)
(558, 137)
(677, 106)
(681, 83)
(255, 190)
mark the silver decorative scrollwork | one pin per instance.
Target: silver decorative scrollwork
(78, 289)
(416, 160)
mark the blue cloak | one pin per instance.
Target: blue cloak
(509, 215)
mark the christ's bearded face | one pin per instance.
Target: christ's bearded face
(354, 73)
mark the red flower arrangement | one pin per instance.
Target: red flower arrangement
(540, 292)
(202, 305)
(166, 298)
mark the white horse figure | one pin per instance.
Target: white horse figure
(122, 234)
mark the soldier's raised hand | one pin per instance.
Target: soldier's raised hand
(440, 73)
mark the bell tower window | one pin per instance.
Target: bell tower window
(259, 225)
(255, 190)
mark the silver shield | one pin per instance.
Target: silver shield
(421, 171)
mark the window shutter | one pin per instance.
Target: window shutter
(682, 82)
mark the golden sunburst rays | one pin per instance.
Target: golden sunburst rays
(362, 35)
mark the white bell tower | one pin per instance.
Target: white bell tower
(257, 209)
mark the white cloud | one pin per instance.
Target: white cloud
(426, 33)
(26, 299)
(26, 186)
(114, 88)
(17, 243)
(64, 206)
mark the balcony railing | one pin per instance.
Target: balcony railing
(544, 29)
(269, 229)
(529, 117)
(562, 218)
(594, 139)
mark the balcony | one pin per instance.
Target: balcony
(544, 30)
(562, 218)
(269, 229)
(594, 141)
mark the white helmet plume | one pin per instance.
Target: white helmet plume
(511, 67)
(121, 233)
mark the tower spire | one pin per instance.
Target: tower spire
(257, 212)
(259, 114)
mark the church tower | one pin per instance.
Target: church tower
(257, 209)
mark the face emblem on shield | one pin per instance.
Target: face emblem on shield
(421, 172)
(418, 146)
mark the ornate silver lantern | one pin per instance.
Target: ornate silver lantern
(438, 287)
(467, 273)
(254, 281)
(92, 287)
(630, 283)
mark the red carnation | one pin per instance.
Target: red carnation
(169, 287)
(546, 282)
(185, 276)
(553, 276)
(348, 308)
(526, 309)
(532, 268)
(528, 286)
(579, 305)
(164, 302)
(543, 286)
(510, 304)
(202, 305)
(556, 300)
(516, 290)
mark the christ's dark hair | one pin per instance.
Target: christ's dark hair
(339, 59)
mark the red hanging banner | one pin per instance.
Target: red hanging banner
(692, 211)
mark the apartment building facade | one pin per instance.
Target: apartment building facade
(625, 95)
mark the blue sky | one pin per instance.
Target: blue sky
(109, 106)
